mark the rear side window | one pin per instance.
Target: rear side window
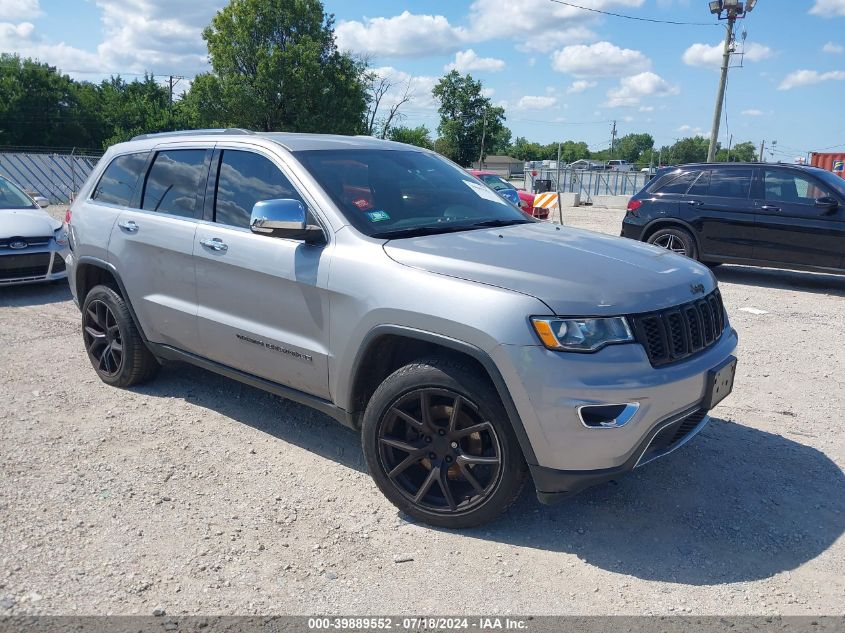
(679, 184)
(244, 179)
(730, 183)
(701, 186)
(118, 183)
(174, 181)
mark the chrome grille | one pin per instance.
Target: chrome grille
(674, 334)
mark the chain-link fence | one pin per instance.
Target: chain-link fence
(56, 176)
(588, 183)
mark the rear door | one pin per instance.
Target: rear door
(668, 193)
(719, 206)
(263, 307)
(152, 246)
(791, 228)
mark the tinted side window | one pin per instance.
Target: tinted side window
(679, 184)
(119, 181)
(244, 179)
(784, 186)
(702, 185)
(730, 183)
(174, 181)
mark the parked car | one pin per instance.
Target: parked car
(619, 165)
(587, 165)
(32, 244)
(778, 215)
(503, 187)
(470, 344)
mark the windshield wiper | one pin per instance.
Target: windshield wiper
(494, 223)
(418, 231)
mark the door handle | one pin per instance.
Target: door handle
(129, 226)
(769, 207)
(215, 244)
(695, 203)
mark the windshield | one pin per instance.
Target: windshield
(396, 193)
(12, 197)
(497, 183)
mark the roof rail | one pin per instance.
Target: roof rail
(217, 131)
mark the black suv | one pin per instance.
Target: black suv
(760, 214)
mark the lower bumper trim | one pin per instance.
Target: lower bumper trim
(667, 436)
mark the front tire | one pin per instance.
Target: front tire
(114, 345)
(675, 239)
(440, 446)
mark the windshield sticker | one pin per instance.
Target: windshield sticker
(363, 204)
(378, 216)
(484, 192)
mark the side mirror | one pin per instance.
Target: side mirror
(41, 201)
(828, 203)
(285, 218)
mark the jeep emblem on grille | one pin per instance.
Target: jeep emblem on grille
(18, 244)
(697, 289)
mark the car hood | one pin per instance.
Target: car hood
(26, 223)
(574, 272)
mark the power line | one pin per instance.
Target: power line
(632, 17)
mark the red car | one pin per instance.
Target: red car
(496, 183)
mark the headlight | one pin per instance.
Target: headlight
(61, 237)
(581, 335)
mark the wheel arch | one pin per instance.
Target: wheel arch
(662, 223)
(385, 348)
(92, 271)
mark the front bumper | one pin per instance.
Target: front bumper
(32, 265)
(549, 387)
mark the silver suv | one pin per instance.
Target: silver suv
(383, 285)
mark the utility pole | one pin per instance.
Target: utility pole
(483, 135)
(559, 205)
(762, 149)
(613, 139)
(732, 10)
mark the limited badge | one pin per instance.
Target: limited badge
(378, 216)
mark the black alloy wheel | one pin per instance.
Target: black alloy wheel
(102, 337)
(439, 451)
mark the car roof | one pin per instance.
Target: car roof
(292, 141)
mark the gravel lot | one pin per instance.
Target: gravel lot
(196, 494)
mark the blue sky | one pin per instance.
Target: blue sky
(560, 72)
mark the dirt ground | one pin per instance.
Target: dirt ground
(195, 494)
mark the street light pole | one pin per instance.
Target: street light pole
(720, 97)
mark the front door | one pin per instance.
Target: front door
(791, 228)
(263, 308)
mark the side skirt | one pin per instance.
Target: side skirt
(168, 353)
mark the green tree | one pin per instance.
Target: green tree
(466, 117)
(131, 108)
(633, 147)
(419, 136)
(687, 150)
(278, 68)
(741, 152)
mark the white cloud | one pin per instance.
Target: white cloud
(580, 85)
(706, 55)
(24, 41)
(539, 25)
(752, 112)
(468, 61)
(601, 59)
(19, 9)
(801, 78)
(833, 48)
(646, 108)
(404, 35)
(692, 131)
(530, 102)
(828, 8)
(631, 90)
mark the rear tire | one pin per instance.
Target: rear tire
(440, 446)
(114, 345)
(675, 239)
